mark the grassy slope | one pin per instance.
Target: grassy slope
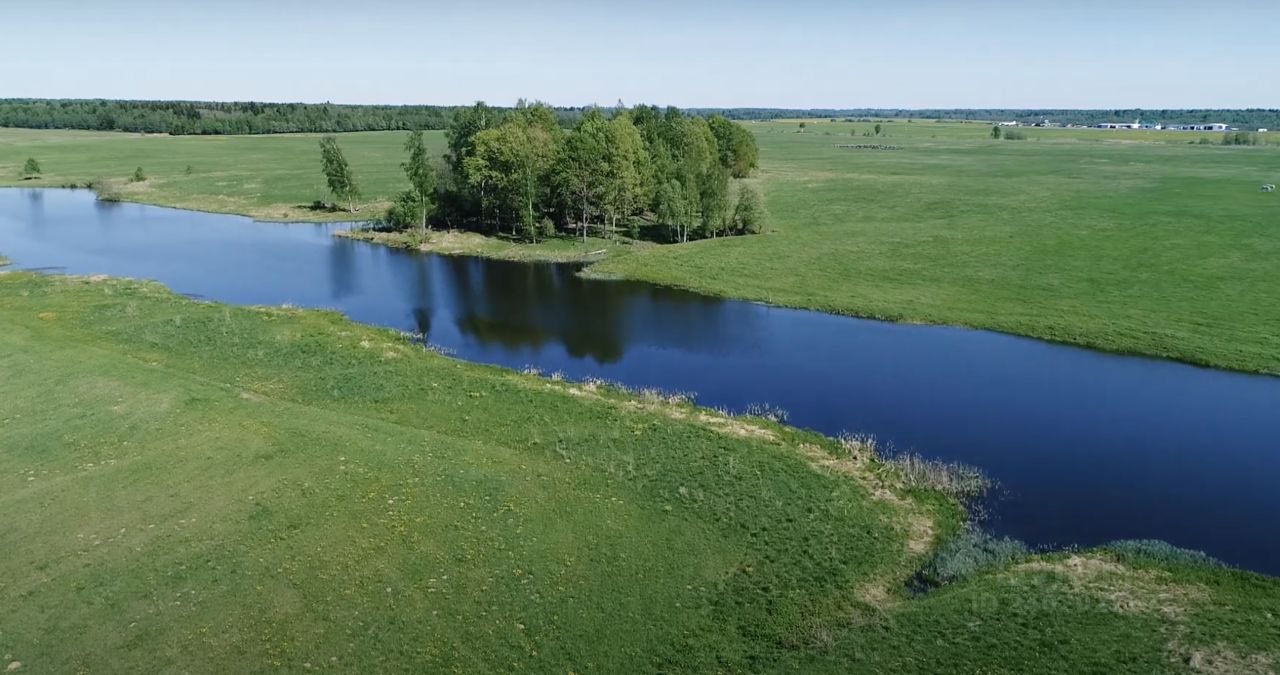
(190, 486)
(1125, 241)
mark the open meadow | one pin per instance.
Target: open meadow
(212, 488)
(1131, 241)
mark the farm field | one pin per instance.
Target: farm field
(199, 487)
(1037, 237)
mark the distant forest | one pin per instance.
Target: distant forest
(211, 118)
(207, 118)
(1253, 118)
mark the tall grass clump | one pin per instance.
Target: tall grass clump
(959, 481)
(1162, 552)
(962, 482)
(769, 412)
(1014, 135)
(106, 189)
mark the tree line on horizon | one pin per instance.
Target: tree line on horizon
(216, 118)
(1257, 118)
(639, 171)
(182, 118)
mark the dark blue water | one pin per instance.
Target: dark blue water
(1088, 447)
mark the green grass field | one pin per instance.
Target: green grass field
(1129, 241)
(192, 487)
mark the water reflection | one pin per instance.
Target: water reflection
(342, 273)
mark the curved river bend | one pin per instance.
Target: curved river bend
(1088, 447)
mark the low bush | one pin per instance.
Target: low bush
(970, 552)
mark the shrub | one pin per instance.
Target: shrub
(1014, 135)
(970, 552)
(138, 176)
(107, 190)
(749, 215)
(31, 169)
(405, 212)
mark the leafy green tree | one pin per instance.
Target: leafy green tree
(749, 214)
(466, 123)
(138, 176)
(513, 164)
(337, 172)
(583, 166)
(406, 211)
(738, 150)
(671, 207)
(714, 200)
(628, 178)
(878, 129)
(422, 177)
(31, 169)
(996, 133)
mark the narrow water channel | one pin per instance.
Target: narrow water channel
(1087, 447)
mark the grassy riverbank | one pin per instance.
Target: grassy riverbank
(1135, 242)
(558, 249)
(191, 486)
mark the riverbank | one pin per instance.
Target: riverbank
(457, 242)
(254, 485)
(1127, 243)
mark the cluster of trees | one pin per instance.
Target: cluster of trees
(632, 170)
(1243, 138)
(998, 132)
(189, 117)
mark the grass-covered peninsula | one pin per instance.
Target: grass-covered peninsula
(202, 487)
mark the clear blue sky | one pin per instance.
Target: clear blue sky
(799, 53)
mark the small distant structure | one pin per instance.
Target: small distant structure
(1262, 131)
(1200, 127)
(1007, 124)
(1136, 124)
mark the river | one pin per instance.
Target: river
(1087, 447)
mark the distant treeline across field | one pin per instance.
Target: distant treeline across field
(1253, 118)
(197, 117)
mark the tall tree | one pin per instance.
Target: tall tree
(466, 124)
(515, 161)
(337, 172)
(583, 166)
(31, 169)
(421, 175)
(738, 150)
(627, 185)
(714, 199)
(749, 214)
